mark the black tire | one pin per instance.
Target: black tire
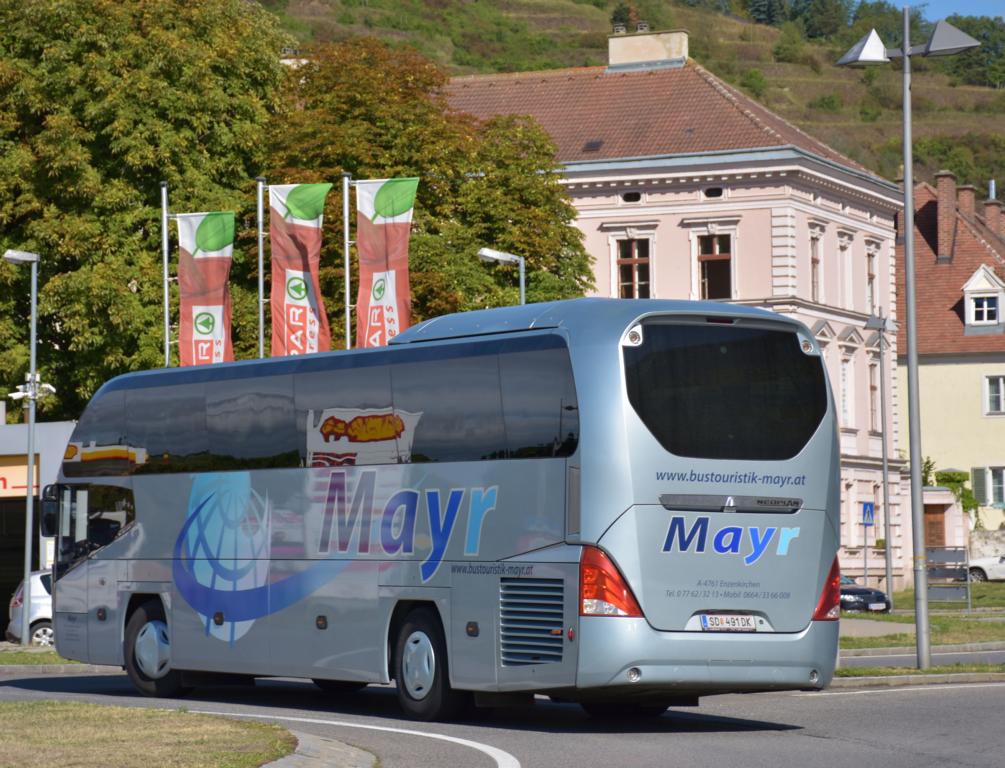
(977, 574)
(41, 635)
(621, 710)
(420, 669)
(166, 682)
(338, 687)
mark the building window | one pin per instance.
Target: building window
(847, 392)
(815, 269)
(870, 283)
(996, 394)
(985, 310)
(997, 485)
(873, 398)
(633, 269)
(714, 254)
(847, 270)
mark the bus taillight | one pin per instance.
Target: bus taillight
(829, 607)
(602, 588)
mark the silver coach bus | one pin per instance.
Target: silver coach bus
(629, 504)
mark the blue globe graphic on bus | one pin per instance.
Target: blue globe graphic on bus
(222, 554)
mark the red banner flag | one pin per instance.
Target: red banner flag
(299, 322)
(383, 226)
(206, 246)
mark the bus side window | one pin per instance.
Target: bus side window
(251, 423)
(169, 423)
(539, 398)
(455, 389)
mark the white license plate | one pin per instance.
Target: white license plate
(877, 606)
(727, 622)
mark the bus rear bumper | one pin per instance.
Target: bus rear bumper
(626, 656)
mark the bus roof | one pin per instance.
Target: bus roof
(571, 313)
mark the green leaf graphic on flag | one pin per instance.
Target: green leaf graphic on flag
(296, 288)
(378, 289)
(306, 201)
(395, 197)
(215, 232)
(204, 323)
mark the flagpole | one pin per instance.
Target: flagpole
(345, 250)
(165, 250)
(261, 265)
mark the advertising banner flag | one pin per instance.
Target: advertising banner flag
(206, 246)
(384, 222)
(299, 322)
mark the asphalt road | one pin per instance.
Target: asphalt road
(916, 727)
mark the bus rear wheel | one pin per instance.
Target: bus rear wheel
(147, 652)
(420, 669)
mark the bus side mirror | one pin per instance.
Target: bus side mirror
(49, 511)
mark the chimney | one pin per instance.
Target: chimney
(993, 217)
(966, 197)
(647, 50)
(945, 185)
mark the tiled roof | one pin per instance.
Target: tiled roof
(592, 114)
(939, 303)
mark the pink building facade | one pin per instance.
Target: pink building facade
(686, 189)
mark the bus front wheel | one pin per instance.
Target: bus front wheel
(147, 652)
(420, 666)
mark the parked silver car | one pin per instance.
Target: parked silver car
(41, 610)
(988, 568)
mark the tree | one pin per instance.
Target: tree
(99, 101)
(377, 112)
(821, 18)
(984, 65)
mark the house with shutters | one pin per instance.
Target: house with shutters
(959, 252)
(685, 188)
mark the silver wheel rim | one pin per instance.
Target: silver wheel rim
(152, 650)
(418, 665)
(42, 636)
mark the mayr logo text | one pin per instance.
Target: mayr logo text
(751, 541)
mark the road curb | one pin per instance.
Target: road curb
(898, 651)
(899, 681)
(318, 751)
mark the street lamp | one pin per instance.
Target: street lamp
(882, 324)
(945, 40)
(490, 254)
(31, 392)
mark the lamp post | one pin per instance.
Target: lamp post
(31, 392)
(945, 40)
(879, 324)
(490, 254)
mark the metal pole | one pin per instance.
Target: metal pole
(164, 249)
(913, 410)
(30, 482)
(886, 486)
(260, 184)
(345, 251)
(865, 555)
(523, 292)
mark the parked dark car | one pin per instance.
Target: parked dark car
(855, 597)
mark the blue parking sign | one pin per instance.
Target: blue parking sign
(868, 513)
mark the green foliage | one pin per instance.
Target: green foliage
(821, 18)
(829, 102)
(481, 184)
(99, 101)
(927, 471)
(791, 43)
(984, 65)
(958, 483)
(754, 81)
(973, 157)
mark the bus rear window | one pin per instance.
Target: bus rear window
(725, 392)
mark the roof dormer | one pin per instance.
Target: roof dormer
(983, 297)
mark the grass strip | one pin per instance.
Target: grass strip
(40, 734)
(33, 658)
(891, 671)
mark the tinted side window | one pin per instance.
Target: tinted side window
(251, 423)
(169, 425)
(344, 415)
(453, 393)
(97, 447)
(91, 516)
(539, 398)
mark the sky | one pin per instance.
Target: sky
(940, 9)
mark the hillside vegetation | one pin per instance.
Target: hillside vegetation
(858, 112)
